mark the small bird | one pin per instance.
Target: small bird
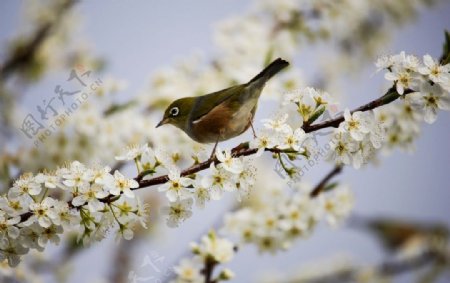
(221, 115)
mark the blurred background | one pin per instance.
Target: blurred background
(127, 44)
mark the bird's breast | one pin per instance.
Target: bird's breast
(223, 122)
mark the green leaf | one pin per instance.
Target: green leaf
(269, 56)
(445, 58)
(390, 96)
(316, 115)
(330, 186)
(118, 107)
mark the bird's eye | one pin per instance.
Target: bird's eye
(174, 111)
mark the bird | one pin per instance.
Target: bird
(220, 115)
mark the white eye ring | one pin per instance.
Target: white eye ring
(174, 111)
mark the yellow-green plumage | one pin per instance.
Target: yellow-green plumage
(220, 115)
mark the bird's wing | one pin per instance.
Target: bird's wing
(209, 101)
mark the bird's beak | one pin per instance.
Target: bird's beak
(163, 121)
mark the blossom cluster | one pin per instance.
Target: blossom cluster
(276, 217)
(423, 89)
(284, 133)
(310, 103)
(277, 133)
(211, 251)
(427, 82)
(408, 72)
(88, 200)
(356, 139)
(233, 174)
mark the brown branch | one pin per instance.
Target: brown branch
(210, 263)
(390, 96)
(321, 186)
(240, 150)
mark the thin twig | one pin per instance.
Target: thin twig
(209, 269)
(390, 96)
(321, 186)
(201, 166)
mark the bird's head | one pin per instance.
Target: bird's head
(178, 112)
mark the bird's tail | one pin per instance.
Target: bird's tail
(273, 68)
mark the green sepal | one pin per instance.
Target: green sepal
(316, 115)
(114, 108)
(269, 56)
(330, 186)
(445, 58)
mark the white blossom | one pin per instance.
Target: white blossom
(188, 271)
(293, 139)
(132, 152)
(7, 228)
(245, 181)
(75, 176)
(342, 146)
(430, 99)
(12, 251)
(50, 181)
(220, 180)
(62, 215)
(201, 191)
(277, 123)
(265, 139)
(14, 206)
(120, 184)
(337, 205)
(41, 213)
(91, 196)
(356, 124)
(50, 234)
(363, 154)
(125, 231)
(403, 79)
(436, 73)
(25, 185)
(228, 162)
(178, 211)
(177, 188)
(220, 249)
(384, 62)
